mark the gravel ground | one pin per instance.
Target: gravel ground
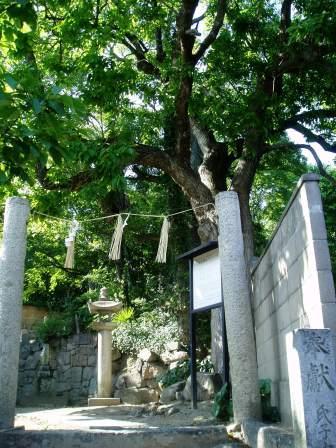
(122, 416)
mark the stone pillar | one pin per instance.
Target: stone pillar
(104, 364)
(237, 306)
(312, 383)
(12, 257)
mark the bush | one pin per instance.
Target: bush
(178, 373)
(182, 371)
(54, 326)
(152, 330)
(223, 410)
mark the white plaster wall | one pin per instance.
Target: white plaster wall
(292, 286)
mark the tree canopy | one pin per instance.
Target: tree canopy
(93, 92)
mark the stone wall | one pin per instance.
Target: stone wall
(292, 286)
(62, 371)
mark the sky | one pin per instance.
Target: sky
(327, 158)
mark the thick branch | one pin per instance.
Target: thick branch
(312, 137)
(212, 36)
(138, 49)
(312, 115)
(319, 163)
(285, 15)
(74, 183)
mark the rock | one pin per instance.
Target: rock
(92, 387)
(169, 393)
(173, 410)
(116, 355)
(92, 360)
(88, 373)
(63, 358)
(169, 357)
(133, 395)
(173, 346)
(150, 371)
(84, 338)
(205, 387)
(116, 366)
(147, 355)
(133, 364)
(76, 375)
(32, 361)
(129, 379)
(179, 396)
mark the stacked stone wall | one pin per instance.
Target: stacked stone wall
(292, 286)
(63, 370)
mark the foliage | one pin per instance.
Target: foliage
(182, 371)
(269, 413)
(222, 407)
(124, 315)
(152, 330)
(54, 326)
(178, 373)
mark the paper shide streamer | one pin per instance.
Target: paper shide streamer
(115, 248)
(163, 244)
(70, 245)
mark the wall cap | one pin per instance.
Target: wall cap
(309, 177)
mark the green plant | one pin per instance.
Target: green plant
(269, 413)
(205, 365)
(222, 406)
(124, 315)
(178, 373)
(223, 409)
(152, 330)
(54, 326)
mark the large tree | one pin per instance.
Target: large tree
(201, 96)
(199, 91)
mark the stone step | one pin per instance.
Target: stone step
(187, 437)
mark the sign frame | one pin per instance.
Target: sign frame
(190, 255)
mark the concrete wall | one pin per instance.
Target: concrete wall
(31, 315)
(292, 286)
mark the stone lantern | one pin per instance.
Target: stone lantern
(104, 306)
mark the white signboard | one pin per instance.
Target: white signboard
(207, 280)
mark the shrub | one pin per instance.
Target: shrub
(222, 407)
(152, 330)
(182, 371)
(54, 326)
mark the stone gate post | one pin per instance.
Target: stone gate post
(237, 306)
(12, 257)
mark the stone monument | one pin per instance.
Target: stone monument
(104, 306)
(12, 258)
(312, 382)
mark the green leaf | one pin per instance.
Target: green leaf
(37, 105)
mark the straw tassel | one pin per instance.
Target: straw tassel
(115, 247)
(163, 244)
(70, 245)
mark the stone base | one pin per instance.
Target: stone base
(103, 401)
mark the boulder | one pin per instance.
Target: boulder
(133, 365)
(169, 357)
(133, 395)
(147, 355)
(151, 370)
(206, 387)
(116, 355)
(173, 346)
(129, 379)
(169, 393)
